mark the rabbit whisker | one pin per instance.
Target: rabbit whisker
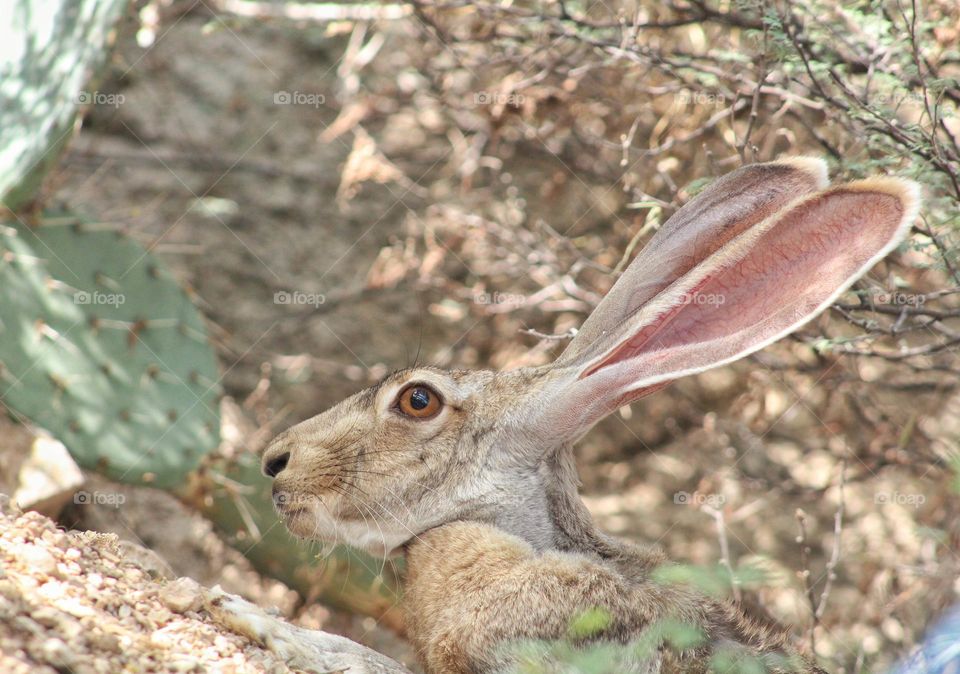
(389, 512)
(413, 482)
(383, 537)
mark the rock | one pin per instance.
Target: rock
(48, 478)
(56, 653)
(104, 641)
(148, 560)
(75, 607)
(14, 450)
(182, 595)
(36, 558)
(47, 616)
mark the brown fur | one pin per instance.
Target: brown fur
(496, 590)
(473, 588)
(482, 496)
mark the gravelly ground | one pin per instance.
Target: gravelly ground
(77, 602)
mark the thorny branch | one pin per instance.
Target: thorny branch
(876, 100)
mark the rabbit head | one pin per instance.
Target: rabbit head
(752, 257)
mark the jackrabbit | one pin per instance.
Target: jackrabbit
(471, 473)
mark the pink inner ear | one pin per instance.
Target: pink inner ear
(635, 345)
(728, 207)
(787, 274)
(632, 396)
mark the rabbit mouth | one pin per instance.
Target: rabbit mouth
(292, 506)
(377, 538)
(290, 515)
(302, 522)
(318, 517)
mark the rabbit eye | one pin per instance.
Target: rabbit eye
(419, 401)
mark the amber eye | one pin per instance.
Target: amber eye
(419, 402)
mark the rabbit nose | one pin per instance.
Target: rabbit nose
(274, 461)
(275, 466)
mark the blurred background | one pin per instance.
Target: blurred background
(222, 217)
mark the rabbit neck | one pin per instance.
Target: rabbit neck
(575, 530)
(544, 509)
(529, 517)
(574, 526)
(550, 516)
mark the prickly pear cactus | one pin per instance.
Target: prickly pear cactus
(49, 51)
(100, 346)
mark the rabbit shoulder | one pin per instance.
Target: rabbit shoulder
(474, 594)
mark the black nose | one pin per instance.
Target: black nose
(273, 466)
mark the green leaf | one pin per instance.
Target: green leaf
(590, 623)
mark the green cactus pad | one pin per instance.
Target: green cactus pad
(50, 50)
(100, 346)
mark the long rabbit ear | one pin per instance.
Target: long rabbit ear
(727, 207)
(759, 285)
